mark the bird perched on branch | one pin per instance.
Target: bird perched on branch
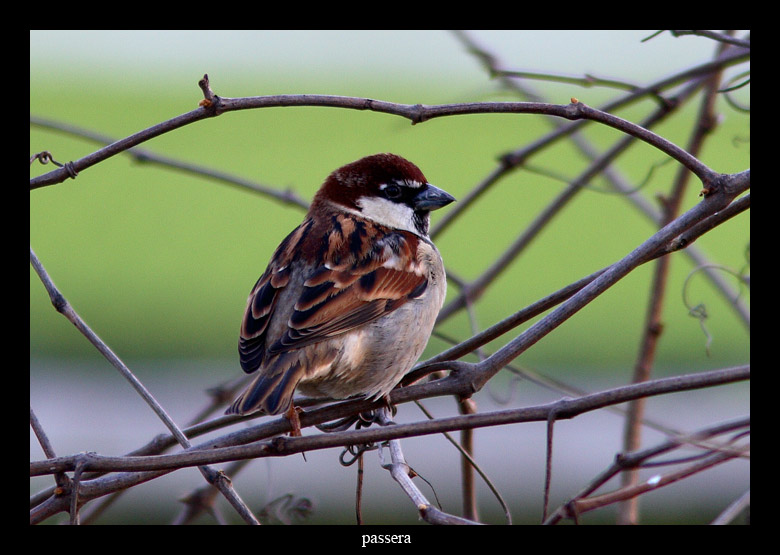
(350, 297)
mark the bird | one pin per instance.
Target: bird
(349, 298)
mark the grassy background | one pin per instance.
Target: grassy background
(160, 262)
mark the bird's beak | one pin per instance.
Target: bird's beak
(432, 198)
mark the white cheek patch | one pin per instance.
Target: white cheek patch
(386, 212)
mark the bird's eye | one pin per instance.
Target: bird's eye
(392, 191)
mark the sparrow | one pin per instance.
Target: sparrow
(349, 299)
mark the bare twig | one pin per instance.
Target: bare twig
(721, 37)
(402, 473)
(237, 446)
(519, 158)
(725, 189)
(733, 510)
(416, 113)
(62, 306)
(146, 156)
(628, 512)
(714, 454)
(246, 444)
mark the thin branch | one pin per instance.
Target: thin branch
(512, 160)
(236, 446)
(216, 451)
(63, 307)
(472, 291)
(732, 511)
(723, 192)
(518, 158)
(585, 81)
(720, 37)
(147, 156)
(416, 113)
(683, 241)
(716, 454)
(60, 478)
(467, 458)
(402, 474)
(628, 512)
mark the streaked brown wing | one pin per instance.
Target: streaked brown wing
(261, 303)
(340, 297)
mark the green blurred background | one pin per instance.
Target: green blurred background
(159, 263)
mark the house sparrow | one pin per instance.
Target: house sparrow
(350, 297)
